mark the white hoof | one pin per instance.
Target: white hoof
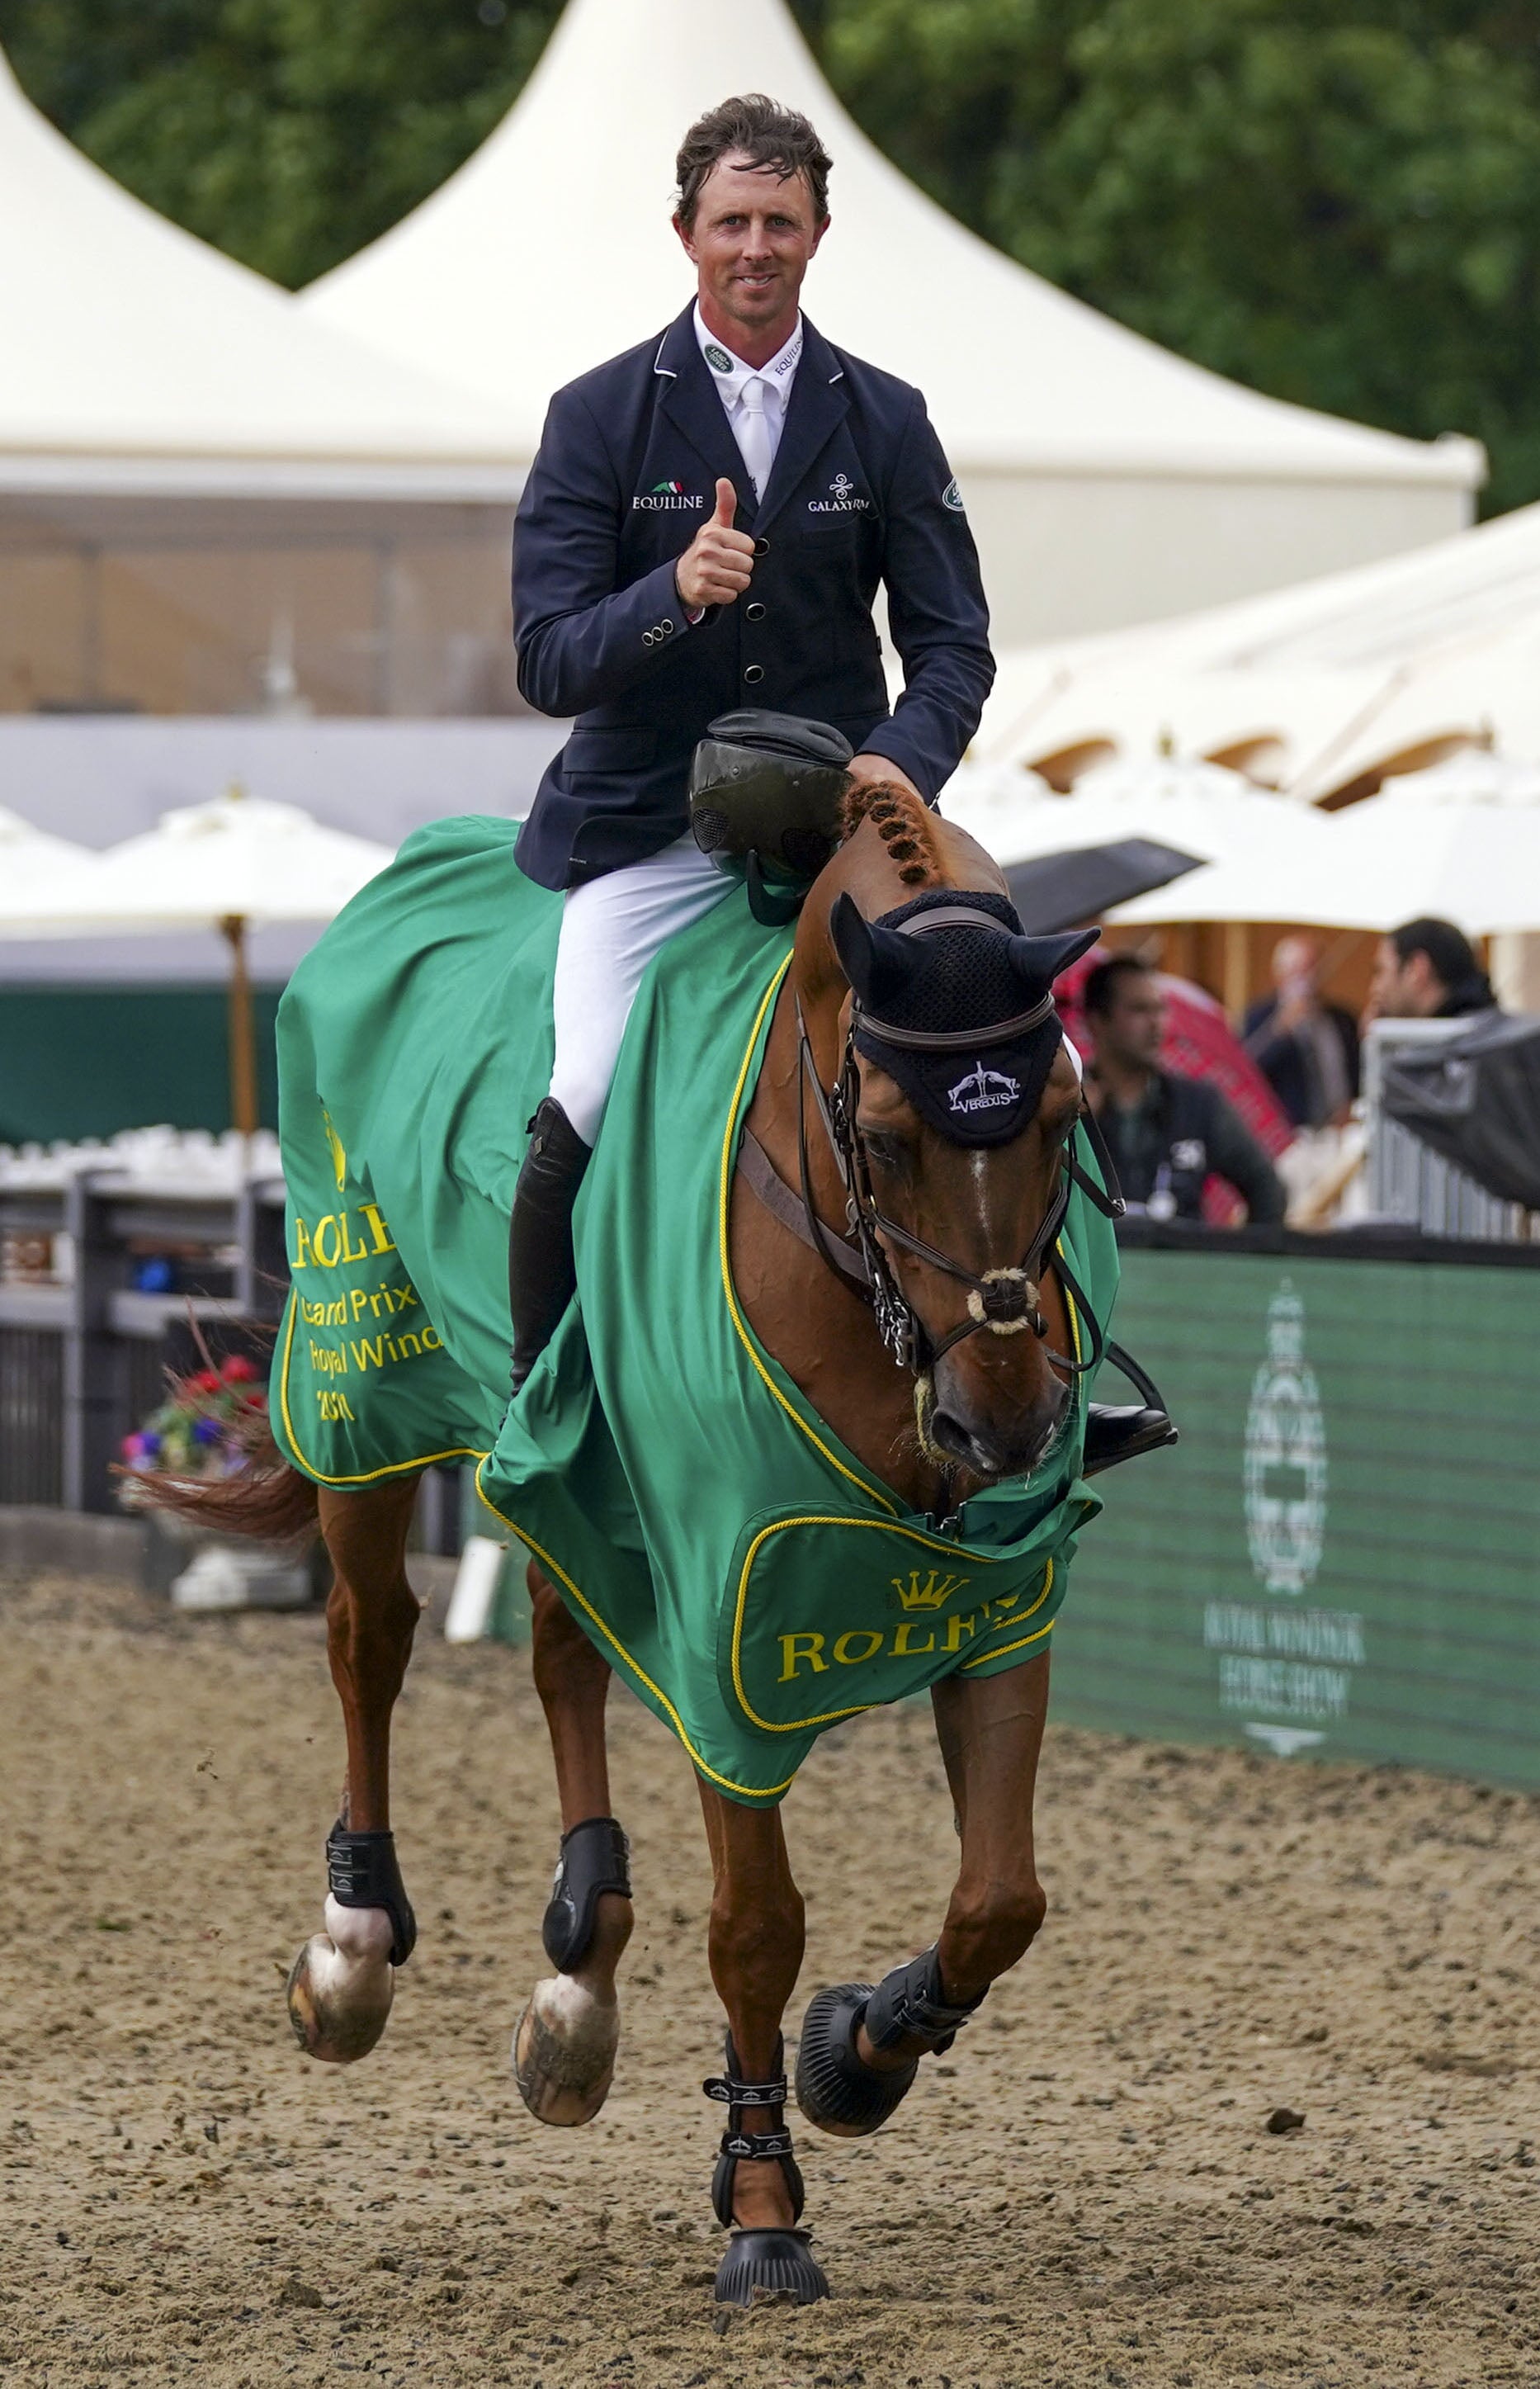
(564, 2051)
(341, 1985)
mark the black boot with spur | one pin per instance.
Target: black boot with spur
(541, 1274)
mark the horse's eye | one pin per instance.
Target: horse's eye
(887, 1152)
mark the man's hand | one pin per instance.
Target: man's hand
(867, 768)
(715, 567)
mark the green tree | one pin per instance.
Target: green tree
(1337, 201)
(286, 131)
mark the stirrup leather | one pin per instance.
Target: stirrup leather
(741, 2140)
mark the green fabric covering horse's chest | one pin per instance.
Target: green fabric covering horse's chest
(743, 1572)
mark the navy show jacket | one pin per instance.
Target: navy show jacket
(861, 492)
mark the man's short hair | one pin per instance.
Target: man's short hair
(1450, 954)
(760, 128)
(1101, 990)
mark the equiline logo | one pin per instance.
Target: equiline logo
(844, 498)
(667, 498)
(984, 1091)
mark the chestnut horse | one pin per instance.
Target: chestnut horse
(950, 1222)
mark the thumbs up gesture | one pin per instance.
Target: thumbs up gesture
(715, 567)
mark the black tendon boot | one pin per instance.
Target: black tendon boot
(541, 1274)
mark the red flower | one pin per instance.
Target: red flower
(205, 1382)
(238, 1370)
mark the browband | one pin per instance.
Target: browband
(952, 916)
(949, 1041)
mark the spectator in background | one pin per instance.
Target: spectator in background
(1307, 1050)
(1166, 1134)
(1427, 970)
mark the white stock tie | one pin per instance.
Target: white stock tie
(754, 440)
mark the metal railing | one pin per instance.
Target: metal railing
(82, 1346)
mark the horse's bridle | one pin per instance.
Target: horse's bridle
(1003, 1300)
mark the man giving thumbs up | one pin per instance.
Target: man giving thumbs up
(706, 527)
(717, 566)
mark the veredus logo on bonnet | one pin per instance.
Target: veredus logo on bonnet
(667, 498)
(984, 1091)
(842, 499)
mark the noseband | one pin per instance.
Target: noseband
(1004, 1301)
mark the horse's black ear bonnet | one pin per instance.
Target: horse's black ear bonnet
(956, 1003)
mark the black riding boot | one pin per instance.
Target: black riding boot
(542, 1273)
(1114, 1433)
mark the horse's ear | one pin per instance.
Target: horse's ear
(1039, 960)
(877, 962)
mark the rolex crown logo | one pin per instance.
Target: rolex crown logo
(929, 1591)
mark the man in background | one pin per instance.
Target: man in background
(1167, 1134)
(1427, 970)
(1307, 1048)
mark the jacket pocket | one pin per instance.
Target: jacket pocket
(608, 753)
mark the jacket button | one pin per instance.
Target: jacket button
(755, 613)
(753, 672)
(649, 638)
(761, 547)
(666, 626)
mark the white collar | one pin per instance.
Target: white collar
(777, 374)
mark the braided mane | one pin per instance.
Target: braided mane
(904, 823)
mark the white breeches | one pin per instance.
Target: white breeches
(611, 929)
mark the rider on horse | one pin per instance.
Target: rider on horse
(705, 528)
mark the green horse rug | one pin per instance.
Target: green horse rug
(749, 1578)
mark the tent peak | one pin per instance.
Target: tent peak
(516, 276)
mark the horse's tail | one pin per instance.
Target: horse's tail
(266, 1498)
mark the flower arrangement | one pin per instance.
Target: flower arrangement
(204, 1429)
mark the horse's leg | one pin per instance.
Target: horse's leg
(756, 1946)
(565, 2044)
(344, 1979)
(860, 2046)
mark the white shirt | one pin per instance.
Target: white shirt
(732, 377)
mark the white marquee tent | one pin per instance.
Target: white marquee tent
(137, 356)
(206, 498)
(1108, 481)
(1326, 688)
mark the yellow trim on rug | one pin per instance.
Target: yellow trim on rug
(985, 1657)
(877, 1525)
(370, 1475)
(752, 1792)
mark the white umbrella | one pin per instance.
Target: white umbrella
(1399, 857)
(1199, 808)
(1460, 841)
(34, 866)
(1477, 775)
(232, 862)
